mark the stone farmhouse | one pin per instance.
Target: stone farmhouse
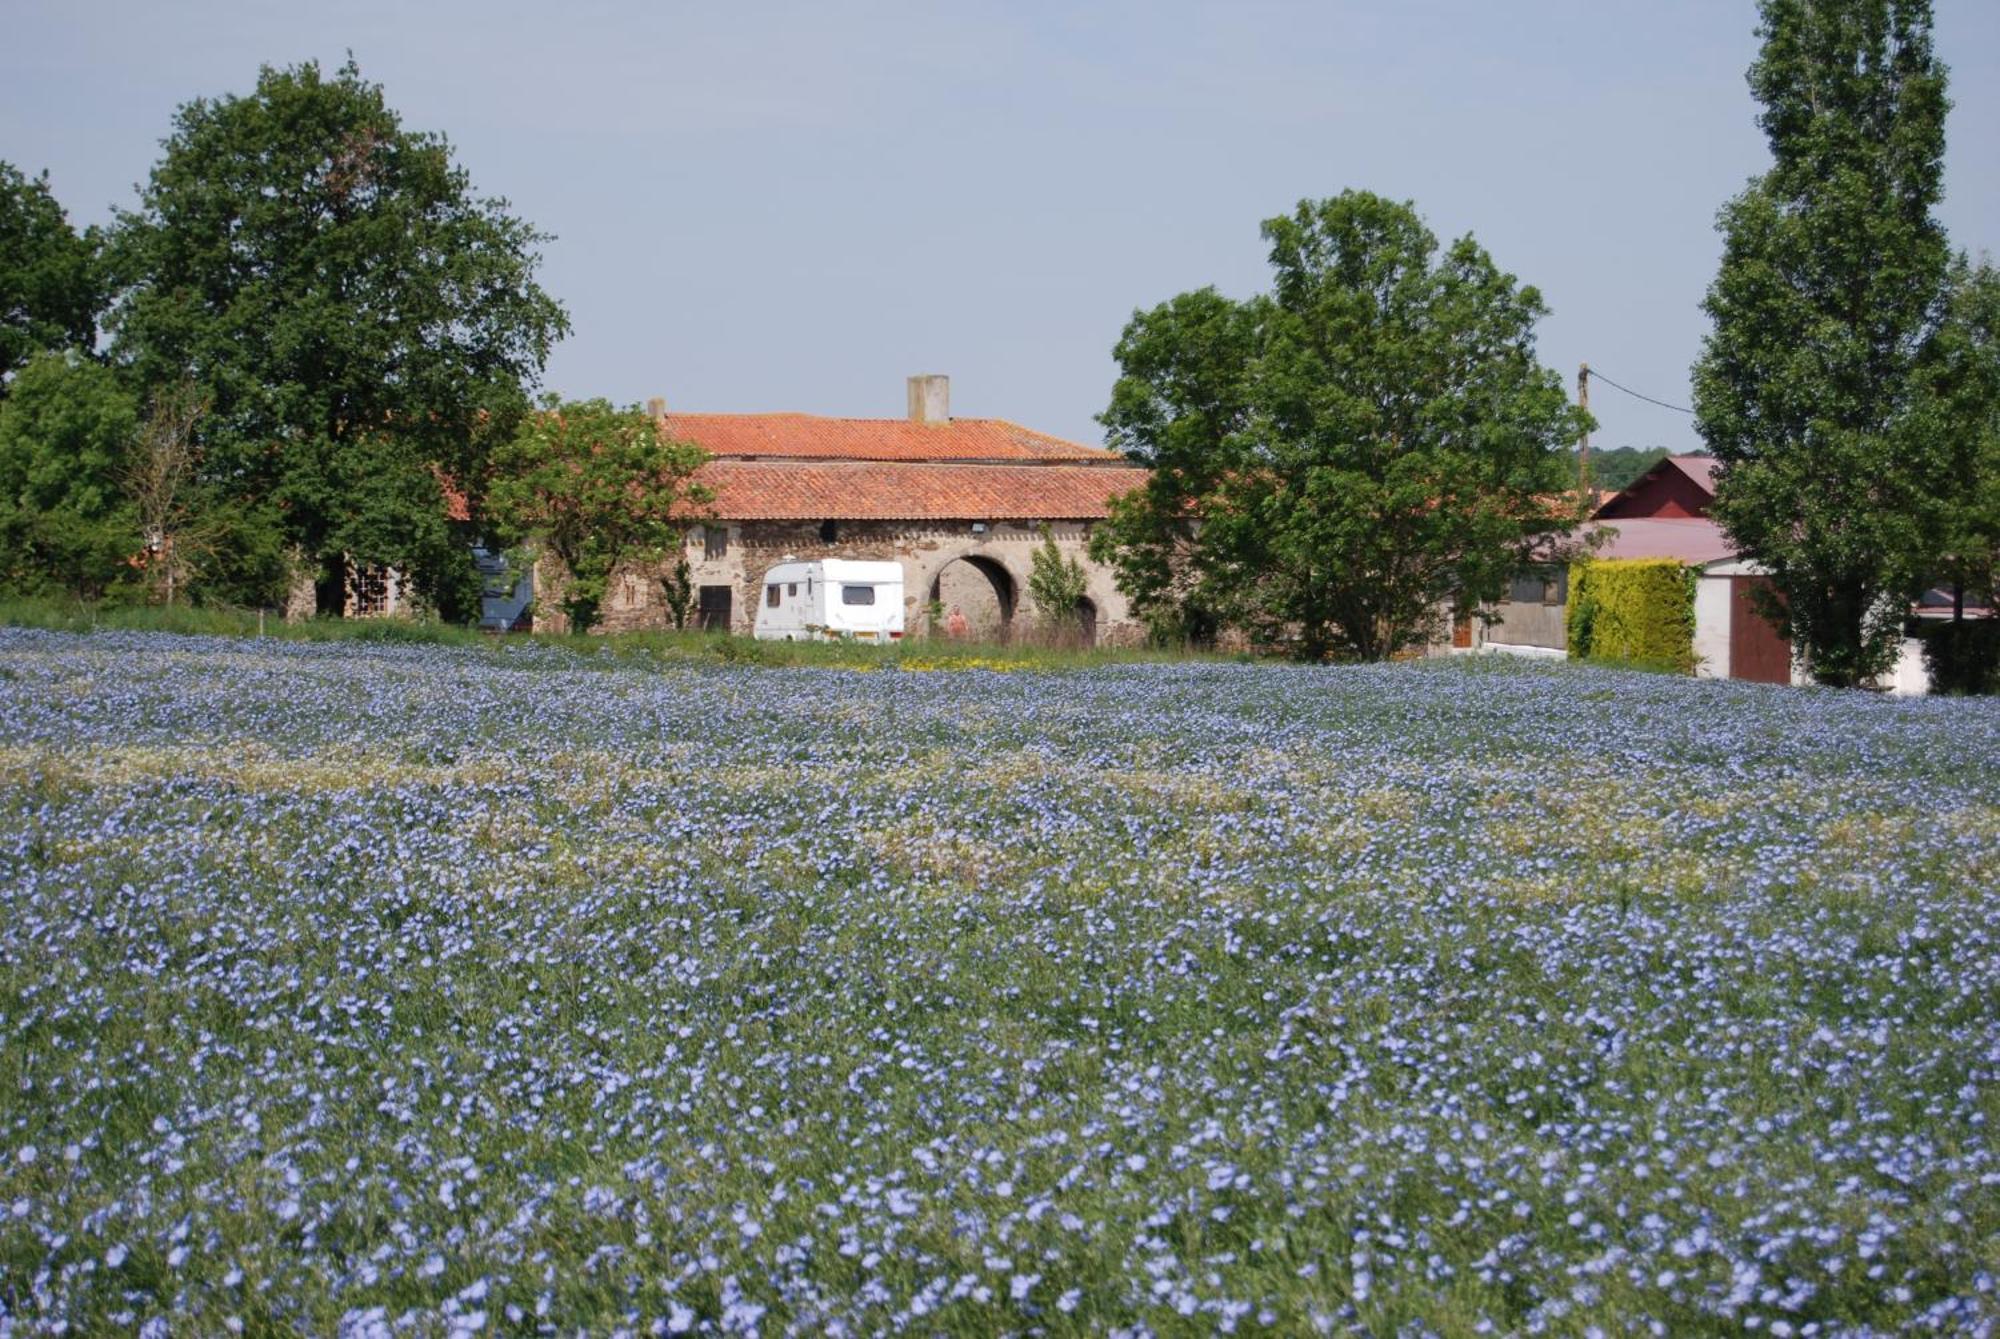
(961, 503)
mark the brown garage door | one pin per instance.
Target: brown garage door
(1756, 651)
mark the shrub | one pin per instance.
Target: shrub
(1633, 610)
(1056, 583)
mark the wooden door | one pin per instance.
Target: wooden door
(1756, 650)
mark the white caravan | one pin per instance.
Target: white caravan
(831, 600)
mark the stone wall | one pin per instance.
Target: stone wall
(980, 571)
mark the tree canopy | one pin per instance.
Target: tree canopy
(363, 327)
(596, 488)
(67, 433)
(1830, 294)
(1961, 385)
(1181, 407)
(51, 288)
(1339, 461)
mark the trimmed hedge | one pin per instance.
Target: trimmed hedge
(1633, 610)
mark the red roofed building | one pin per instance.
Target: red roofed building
(1661, 514)
(1677, 488)
(960, 503)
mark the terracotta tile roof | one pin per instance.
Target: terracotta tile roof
(868, 490)
(811, 437)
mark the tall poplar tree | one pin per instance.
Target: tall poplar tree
(1830, 292)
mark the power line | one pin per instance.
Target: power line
(1599, 376)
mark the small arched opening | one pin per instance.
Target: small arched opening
(972, 597)
(1086, 620)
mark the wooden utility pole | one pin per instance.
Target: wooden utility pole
(1583, 444)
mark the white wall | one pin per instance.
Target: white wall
(1911, 677)
(1711, 627)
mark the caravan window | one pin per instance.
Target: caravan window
(857, 595)
(791, 589)
(771, 596)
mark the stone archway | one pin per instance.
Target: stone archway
(982, 592)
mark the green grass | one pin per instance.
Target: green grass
(628, 647)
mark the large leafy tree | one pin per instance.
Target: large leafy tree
(1829, 294)
(596, 488)
(51, 287)
(1181, 407)
(364, 327)
(1961, 383)
(1959, 393)
(67, 433)
(1340, 463)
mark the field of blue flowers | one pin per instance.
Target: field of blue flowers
(438, 990)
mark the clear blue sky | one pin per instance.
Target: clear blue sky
(763, 207)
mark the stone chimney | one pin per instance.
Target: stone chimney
(930, 398)
(657, 406)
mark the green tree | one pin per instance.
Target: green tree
(364, 327)
(1057, 584)
(67, 432)
(1960, 393)
(1829, 294)
(1353, 455)
(1181, 407)
(51, 287)
(1961, 381)
(596, 488)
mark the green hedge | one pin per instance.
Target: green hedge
(1633, 610)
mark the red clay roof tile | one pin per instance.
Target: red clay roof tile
(809, 436)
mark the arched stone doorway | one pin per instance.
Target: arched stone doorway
(1086, 620)
(982, 593)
